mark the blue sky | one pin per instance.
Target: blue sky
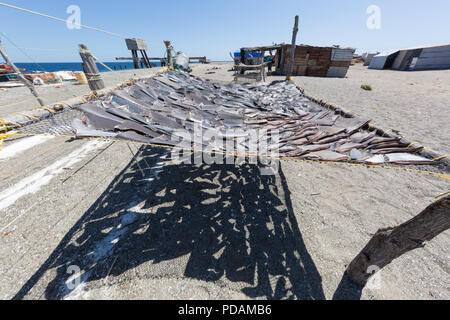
(216, 27)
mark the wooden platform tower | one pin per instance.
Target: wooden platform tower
(136, 45)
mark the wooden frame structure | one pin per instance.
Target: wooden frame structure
(307, 60)
(136, 45)
(241, 68)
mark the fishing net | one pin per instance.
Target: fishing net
(59, 124)
(175, 109)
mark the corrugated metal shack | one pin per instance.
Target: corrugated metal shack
(383, 59)
(420, 58)
(367, 57)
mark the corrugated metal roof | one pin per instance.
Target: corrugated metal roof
(386, 53)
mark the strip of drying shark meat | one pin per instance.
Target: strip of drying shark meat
(333, 139)
(384, 145)
(170, 106)
(396, 150)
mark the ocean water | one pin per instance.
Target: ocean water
(76, 66)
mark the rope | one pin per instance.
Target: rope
(412, 144)
(5, 136)
(95, 58)
(37, 49)
(386, 132)
(441, 195)
(421, 149)
(62, 20)
(84, 99)
(65, 103)
(27, 115)
(4, 122)
(93, 76)
(440, 158)
(247, 156)
(46, 109)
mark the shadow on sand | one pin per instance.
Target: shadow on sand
(233, 223)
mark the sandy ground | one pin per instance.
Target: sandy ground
(138, 226)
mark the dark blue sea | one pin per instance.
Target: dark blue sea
(76, 66)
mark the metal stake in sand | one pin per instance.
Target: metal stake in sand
(294, 40)
(20, 75)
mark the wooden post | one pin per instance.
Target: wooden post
(294, 40)
(169, 48)
(135, 59)
(90, 69)
(135, 45)
(282, 61)
(389, 244)
(146, 60)
(20, 75)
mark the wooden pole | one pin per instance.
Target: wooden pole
(90, 69)
(294, 40)
(135, 59)
(145, 57)
(169, 49)
(389, 244)
(20, 75)
(282, 61)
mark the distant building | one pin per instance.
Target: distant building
(414, 59)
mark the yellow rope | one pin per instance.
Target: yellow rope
(4, 122)
(4, 136)
(440, 158)
(421, 149)
(437, 174)
(65, 103)
(46, 109)
(441, 195)
(386, 132)
(412, 144)
(27, 115)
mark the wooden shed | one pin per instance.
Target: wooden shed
(314, 61)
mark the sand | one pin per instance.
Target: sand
(221, 232)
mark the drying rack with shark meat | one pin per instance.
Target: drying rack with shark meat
(164, 109)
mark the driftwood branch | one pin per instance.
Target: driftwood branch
(389, 244)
